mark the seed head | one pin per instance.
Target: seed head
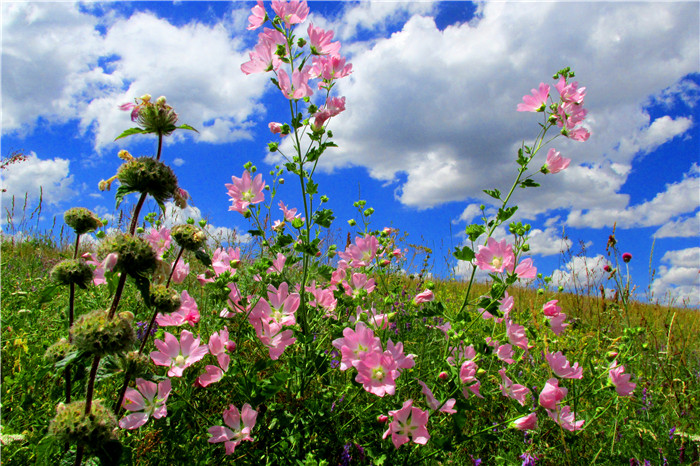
(165, 300)
(74, 271)
(72, 425)
(188, 236)
(81, 220)
(94, 333)
(134, 255)
(148, 175)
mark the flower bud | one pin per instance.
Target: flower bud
(72, 425)
(165, 300)
(626, 257)
(189, 237)
(230, 346)
(72, 271)
(94, 333)
(382, 418)
(443, 375)
(150, 176)
(81, 220)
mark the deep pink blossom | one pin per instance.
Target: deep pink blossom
(620, 380)
(555, 162)
(148, 399)
(187, 313)
(561, 366)
(626, 257)
(409, 423)
(245, 191)
(496, 256)
(424, 297)
(240, 425)
(537, 101)
(178, 355)
(355, 344)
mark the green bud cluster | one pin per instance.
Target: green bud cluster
(158, 118)
(72, 425)
(94, 333)
(81, 220)
(57, 351)
(165, 300)
(135, 255)
(148, 175)
(188, 236)
(138, 365)
(74, 271)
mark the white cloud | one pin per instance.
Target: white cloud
(680, 228)
(678, 199)
(35, 177)
(657, 133)
(678, 282)
(581, 274)
(548, 242)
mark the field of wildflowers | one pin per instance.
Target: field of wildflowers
(157, 348)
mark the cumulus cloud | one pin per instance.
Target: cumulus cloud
(686, 227)
(35, 177)
(548, 242)
(678, 282)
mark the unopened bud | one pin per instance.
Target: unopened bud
(382, 418)
(443, 375)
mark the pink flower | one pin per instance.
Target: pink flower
(147, 400)
(262, 59)
(620, 380)
(565, 418)
(561, 366)
(257, 17)
(551, 309)
(271, 335)
(516, 334)
(329, 68)
(403, 361)
(224, 260)
(188, 313)
(513, 390)
(552, 394)
(355, 344)
(178, 355)
(536, 102)
(496, 256)
(434, 404)
(182, 270)
(212, 374)
(558, 324)
(626, 257)
(377, 373)
(424, 297)
(278, 264)
(555, 162)
(362, 252)
(101, 267)
(320, 41)
(237, 431)
(289, 214)
(159, 240)
(245, 191)
(298, 87)
(525, 269)
(579, 134)
(467, 375)
(528, 422)
(276, 128)
(408, 421)
(360, 283)
(570, 93)
(280, 307)
(505, 353)
(292, 12)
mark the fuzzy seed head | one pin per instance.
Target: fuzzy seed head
(75, 271)
(95, 334)
(81, 220)
(148, 175)
(165, 300)
(135, 256)
(72, 425)
(57, 351)
(138, 365)
(188, 236)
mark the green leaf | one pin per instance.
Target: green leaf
(48, 294)
(505, 214)
(494, 193)
(311, 188)
(187, 127)
(529, 184)
(465, 254)
(324, 218)
(203, 257)
(255, 232)
(121, 192)
(144, 286)
(131, 131)
(474, 231)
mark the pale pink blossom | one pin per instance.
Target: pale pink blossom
(408, 423)
(403, 361)
(329, 68)
(240, 425)
(424, 297)
(159, 239)
(570, 92)
(620, 380)
(360, 284)
(528, 422)
(496, 256)
(271, 335)
(555, 162)
(278, 264)
(558, 324)
(276, 128)
(257, 17)
(148, 399)
(296, 88)
(434, 404)
(512, 390)
(516, 334)
(292, 12)
(377, 372)
(551, 308)
(289, 214)
(461, 353)
(106, 265)
(187, 313)
(505, 353)
(320, 41)
(362, 252)
(525, 270)
(245, 191)
(212, 374)
(579, 134)
(280, 306)
(262, 59)
(467, 375)
(537, 101)
(182, 269)
(355, 344)
(552, 394)
(178, 355)
(565, 418)
(562, 367)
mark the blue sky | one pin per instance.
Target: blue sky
(430, 118)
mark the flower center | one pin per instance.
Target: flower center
(496, 262)
(180, 360)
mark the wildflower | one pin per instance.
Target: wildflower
(403, 361)
(626, 257)
(245, 191)
(271, 335)
(525, 269)
(188, 312)
(292, 12)
(620, 380)
(551, 309)
(424, 297)
(552, 394)
(561, 366)
(408, 421)
(296, 88)
(159, 239)
(513, 390)
(434, 404)
(555, 162)
(355, 344)
(329, 68)
(178, 355)
(240, 425)
(262, 58)
(528, 422)
(537, 101)
(565, 418)
(148, 399)
(180, 271)
(258, 16)
(528, 459)
(558, 324)
(495, 256)
(362, 252)
(320, 41)
(377, 373)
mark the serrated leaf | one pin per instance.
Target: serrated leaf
(324, 218)
(505, 214)
(529, 184)
(465, 254)
(121, 192)
(311, 188)
(131, 131)
(494, 193)
(474, 231)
